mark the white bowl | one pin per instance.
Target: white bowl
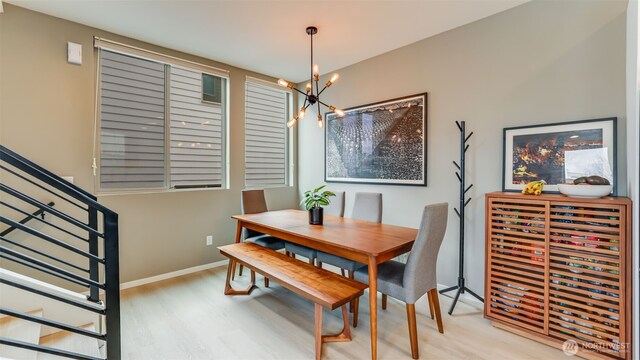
(585, 191)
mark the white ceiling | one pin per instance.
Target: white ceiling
(269, 36)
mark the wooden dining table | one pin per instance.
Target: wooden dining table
(363, 241)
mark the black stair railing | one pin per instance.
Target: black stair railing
(89, 243)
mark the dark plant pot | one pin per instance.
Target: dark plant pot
(315, 216)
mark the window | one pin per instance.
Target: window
(158, 128)
(211, 88)
(266, 141)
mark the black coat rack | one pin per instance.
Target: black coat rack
(460, 212)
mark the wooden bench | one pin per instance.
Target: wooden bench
(322, 287)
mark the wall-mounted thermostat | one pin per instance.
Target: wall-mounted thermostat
(74, 53)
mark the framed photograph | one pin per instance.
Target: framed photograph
(380, 143)
(559, 153)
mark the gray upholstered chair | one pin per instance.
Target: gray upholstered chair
(366, 206)
(253, 202)
(336, 205)
(408, 282)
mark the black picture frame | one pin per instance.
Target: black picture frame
(606, 128)
(381, 161)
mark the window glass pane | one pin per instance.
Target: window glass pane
(132, 122)
(266, 111)
(211, 88)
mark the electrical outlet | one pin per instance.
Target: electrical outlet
(209, 240)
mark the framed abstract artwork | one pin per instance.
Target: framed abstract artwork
(559, 153)
(379, 143)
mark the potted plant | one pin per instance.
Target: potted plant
(313, 201)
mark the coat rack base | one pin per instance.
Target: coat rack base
(461, 290)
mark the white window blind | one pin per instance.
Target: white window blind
(196, 133)
(132, 126)
(266, 111)
(156, 131)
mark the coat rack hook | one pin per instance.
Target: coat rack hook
(456, 164)
(468, 136)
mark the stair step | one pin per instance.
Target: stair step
(23, 330)
(73, 342)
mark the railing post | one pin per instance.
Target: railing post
(94, 294)
(112, 284)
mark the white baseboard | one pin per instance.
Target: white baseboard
(466, 297)
(172, 274)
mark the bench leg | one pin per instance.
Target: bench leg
(228, 290)
(345, 334)
(266, 282)
(240, 271)
(319, 264)
(233, 270)
(384, 301)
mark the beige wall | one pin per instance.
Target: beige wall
(542, 62)
(46, 114)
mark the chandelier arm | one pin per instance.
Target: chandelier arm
(301, 92)
(306, 106)
(319, 113)
(320, 102)
(317, 88)
(321, 91)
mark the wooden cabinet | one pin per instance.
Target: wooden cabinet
(559, 268)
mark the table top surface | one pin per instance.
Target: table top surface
(364, 237)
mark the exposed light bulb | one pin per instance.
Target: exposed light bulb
(316, 72)
(333, 79)
(319, 121)
(292, 122)
(285, 83)
(308, 88)
(301, 113)
(338, 112)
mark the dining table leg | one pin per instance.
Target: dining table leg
(238, 237)
(373, 305)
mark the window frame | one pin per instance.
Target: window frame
(179, 63)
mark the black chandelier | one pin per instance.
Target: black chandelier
(312, 97)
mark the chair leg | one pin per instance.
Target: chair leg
(240, 271)
(266, 282)
(413, 331)
(311, 261)
(384, 301)
(430, 304)
(352, 303)
(436, 309)
(356, 303)
(319, 264)
(293, 255)
(342, 272)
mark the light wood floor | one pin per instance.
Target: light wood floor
(189, 318)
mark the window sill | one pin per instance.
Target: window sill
(155, 191)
